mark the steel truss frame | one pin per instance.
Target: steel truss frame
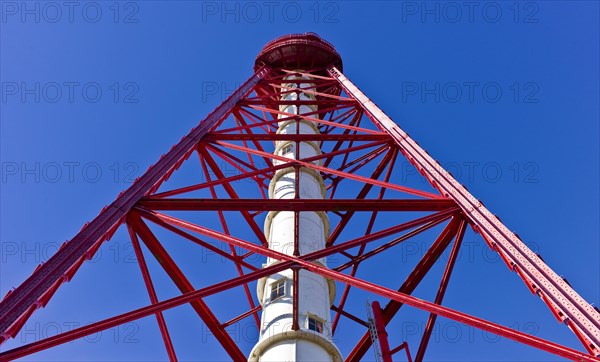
(353, 152)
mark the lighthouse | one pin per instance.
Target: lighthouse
(296, 317)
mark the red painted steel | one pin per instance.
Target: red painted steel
(152, 293)
(551, 287)
(382, 335)
(234, 255)
(186, 298)
(137, 314)
(327, 170)
(398, 297)
(295, 205)
(354, 151)
(242, 316)
(288, 261)
(295, 299)
(403, 346)
(409, 285)
(402, 298)
(441, 291)
(355, 262)
(349, 316)
(184, 285)
(99, 229)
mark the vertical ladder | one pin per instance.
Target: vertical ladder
(373, 333)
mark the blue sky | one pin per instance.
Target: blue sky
(505, 94)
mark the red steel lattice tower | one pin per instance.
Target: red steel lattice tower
(356, 147)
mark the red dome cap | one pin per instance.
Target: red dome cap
(298, 51)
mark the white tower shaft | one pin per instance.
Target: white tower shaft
(312, 340)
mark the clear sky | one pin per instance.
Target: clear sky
(505, 94)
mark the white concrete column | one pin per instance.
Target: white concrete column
(313, 341)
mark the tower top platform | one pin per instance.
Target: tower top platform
(298, 51)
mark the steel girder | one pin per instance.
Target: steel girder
(359, 155)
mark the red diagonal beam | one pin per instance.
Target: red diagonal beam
(232, 160)
(261, 122)
(34, 287)
(162, 219)
(135, 314)
(360, 258)
(152, 293)
(350, 316)
(229, 189)
(153, 215)
(387, 160)
(409, 285)
(335, 172)
(307, 90)
(539, 277)
(362, 160)
(461, 317)
(316, 120)
(240, 119)
(358, 164)
(269, 171)
(204, 244)
(242, 316)
(203, 185)
(185, 286)
(441, 291)
(341, 118)
(346, 291)
(400, 298)
(338, 248)
(236, 162)
(232, 250)
(273, 269)
(264, 123)
(345, 134)
(288, 261)
(296, 137)
(275, 103)
(307, 73)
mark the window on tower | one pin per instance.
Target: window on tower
(287, 149)
(315, 324)
(277, 289)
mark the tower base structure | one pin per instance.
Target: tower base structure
(316, 153)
